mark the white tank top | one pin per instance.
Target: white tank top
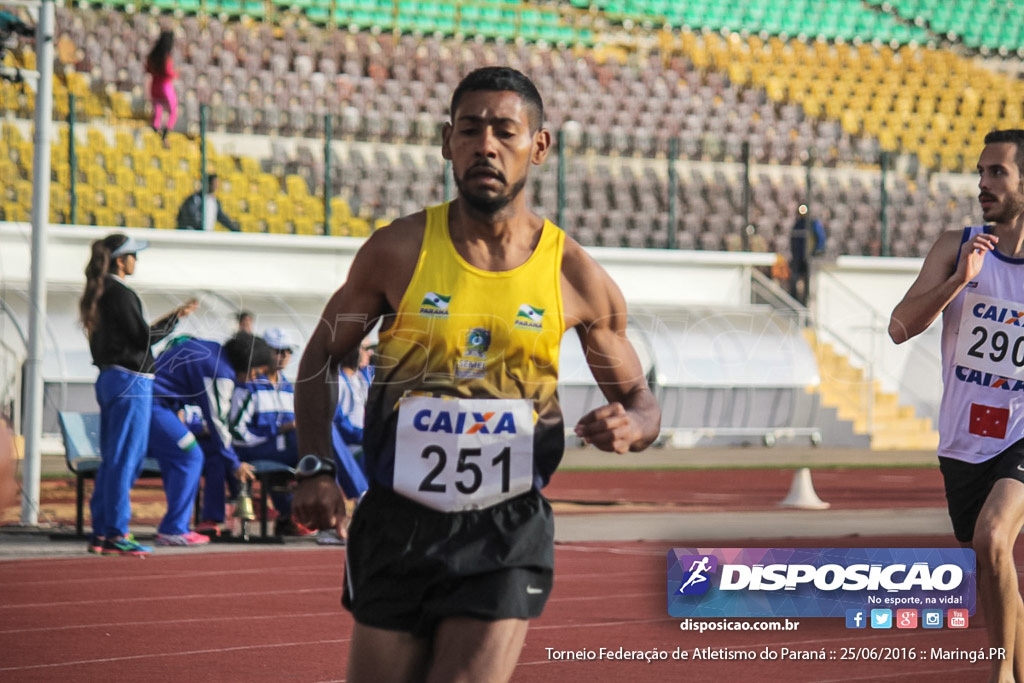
(982, 410)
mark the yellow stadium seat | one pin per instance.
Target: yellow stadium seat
(164, 219)
(275, 224)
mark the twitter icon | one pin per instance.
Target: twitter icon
(881, 618)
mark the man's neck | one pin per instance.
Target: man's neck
(495, 243)
(1011, 237)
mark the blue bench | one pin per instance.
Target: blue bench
(81, 433)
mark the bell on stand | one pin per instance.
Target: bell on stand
(244, 510)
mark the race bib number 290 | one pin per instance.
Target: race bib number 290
(463, 454)
(991, 337)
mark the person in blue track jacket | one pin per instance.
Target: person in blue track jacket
(203, 373)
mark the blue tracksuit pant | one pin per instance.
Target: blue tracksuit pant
(181, 464)
(215, 474)
(126, 401)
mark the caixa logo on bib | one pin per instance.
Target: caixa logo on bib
(816, 582)
(464, 422)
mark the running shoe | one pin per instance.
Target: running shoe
(95, 544)
(187, 539)
(126, 545)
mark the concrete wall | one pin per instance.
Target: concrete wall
(853, 301)
(286, 279)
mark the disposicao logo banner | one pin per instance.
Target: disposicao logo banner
(817, 582)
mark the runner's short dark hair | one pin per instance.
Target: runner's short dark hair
(500, 79)
(1014, 135)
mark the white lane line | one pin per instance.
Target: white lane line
(187, 653)
(161, 622)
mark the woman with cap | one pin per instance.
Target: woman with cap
(120, 341)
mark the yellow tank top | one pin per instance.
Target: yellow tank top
(464, 332)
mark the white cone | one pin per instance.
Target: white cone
(802, 494)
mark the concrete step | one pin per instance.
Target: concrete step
(884, 404)
(905, 442)
(915, 425)
(845, 389)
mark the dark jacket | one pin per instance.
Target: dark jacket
(123, 337)
(806, 239)
(190, 215)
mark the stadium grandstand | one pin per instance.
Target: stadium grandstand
(694, 127)
(635, 86)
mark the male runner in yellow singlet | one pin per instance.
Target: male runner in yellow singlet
(451, 550)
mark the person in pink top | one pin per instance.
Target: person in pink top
(161, 89)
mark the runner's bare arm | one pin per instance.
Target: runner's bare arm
(941, 278)
(596, 308)
(348, 316)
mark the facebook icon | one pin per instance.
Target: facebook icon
(856, 618)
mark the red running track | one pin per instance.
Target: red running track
(754, 489)
(275, 616)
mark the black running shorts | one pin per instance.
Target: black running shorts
(968, 485)
(409, 567)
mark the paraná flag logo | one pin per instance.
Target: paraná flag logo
(435, 304)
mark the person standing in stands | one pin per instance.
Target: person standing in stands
(974, 278)
(203, 373)
(120, 341)
(451, 551)
(160, 67)
(806, 240)
(194, 215)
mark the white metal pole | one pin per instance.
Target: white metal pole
(37, 287)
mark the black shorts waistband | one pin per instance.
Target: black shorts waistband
(388, 496)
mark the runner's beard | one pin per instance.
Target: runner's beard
(1011, 207)
(490, 205)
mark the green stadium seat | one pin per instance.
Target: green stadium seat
(256, 9)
